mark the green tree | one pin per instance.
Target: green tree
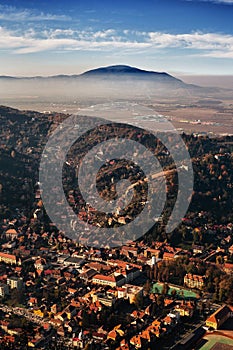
(147, 287)
(165, 289)
(85, 319)
(138, 301)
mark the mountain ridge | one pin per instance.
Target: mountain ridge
(113, 70)
(111, 79)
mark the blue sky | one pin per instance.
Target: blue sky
(71, 36)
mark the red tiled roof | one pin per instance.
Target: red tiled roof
(11, 231)
(220, 313)
(105, 278)
(8, 256)
(228, 266)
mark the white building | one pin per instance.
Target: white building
(15, 282)
(4, 290)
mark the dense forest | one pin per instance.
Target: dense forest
(24, 135)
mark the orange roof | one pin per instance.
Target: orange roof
(228, 266)
(167, 319)
(146, 334)
(10, 338)
(156, 323)
(11, 231)
(220, 313)
(46, 325)
(168, 255)
(168, 302)
(153, 250)
(71, 290)
(123, 264)
(8, 256)
(105, 278)
(136, 340)
(194, 277)
(112, 335)
(33, 300)
(129, 248)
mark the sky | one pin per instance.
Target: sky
(190, 37)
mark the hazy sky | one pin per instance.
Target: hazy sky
(46, 37)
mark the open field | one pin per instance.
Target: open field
(210, 340)
(180, 291)
(189, 115)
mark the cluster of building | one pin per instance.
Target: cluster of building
(70, 292)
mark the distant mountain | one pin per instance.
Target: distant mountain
(118, 82)
(8, 77)
(122, 70)
(110, 71)
(38, 77)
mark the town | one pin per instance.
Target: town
(55, 292)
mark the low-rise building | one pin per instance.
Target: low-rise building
(194, 281)
(8, 258)
(149, 252)
(228, 268)
(231, 249)
(106, 299)
(129, 291)
(41, 264)
(74, 261)
(11, 234)
(15, 282)
(198, 249)
(185, 309)
(129, 251)
(129, 273)
(4, 290)
(219, 317)
(112, 281)
(169, 256)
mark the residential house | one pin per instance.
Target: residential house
(129, 291)
(219, 317)
(8, 258)
(70, 311)
(74, 261)
(78, 343)
(169, 256)
(231, 249)
(138, 342)
(112, 281)
(149, 252)
(194, 281)
(41, 264)
(123, 345)
(4, 290)
(11, 234)
(185, 308)
(129, 273)
(198, 249)
(107, 299)
(228, 268)
(32, 301)
(15, 282)
(129, 251)
(88, 274)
